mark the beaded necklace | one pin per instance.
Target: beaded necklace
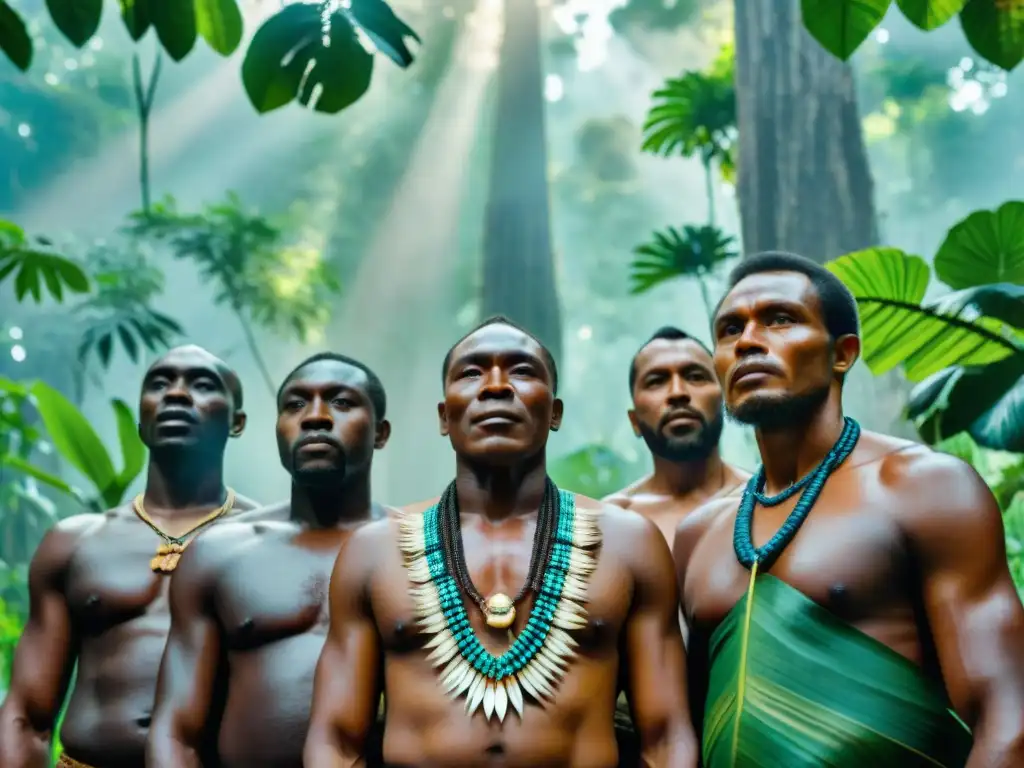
(762, 557)
(538, 657)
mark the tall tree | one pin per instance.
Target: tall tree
(804, 182)
(519, 272)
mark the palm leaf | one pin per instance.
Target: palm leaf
(671, 253)
(897, 329)
(693, 113)
(792, 685)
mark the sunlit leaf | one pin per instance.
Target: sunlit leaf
(930, 14)
(986, 247)
(594, 470)
(11, 234)
(840, 26)
(26, 467)
(387, 32)
(136, 17)
(15, 41)
(220, 24)
(33, 269)
(694, 114)
(995, 30)
(896, 329)
(175, 24)
(133, 451)
(1000, 301)
(77, 20)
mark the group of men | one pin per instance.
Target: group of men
(848, 605)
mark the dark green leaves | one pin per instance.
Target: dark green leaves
(995, 29)
(175, 24)
(136, 18)
(35, 268)
(219, 22)
(986, 247)
(387, 32)
(77, 20)
(14, 38)
(291, 58)
(930, 14)
(842, 25)
(692, 114)
(689, 252)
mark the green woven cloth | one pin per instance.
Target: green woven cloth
(792, 685)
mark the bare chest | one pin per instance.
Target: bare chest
(272, 590)
(849, 560)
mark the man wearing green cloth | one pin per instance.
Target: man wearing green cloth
(860, 594)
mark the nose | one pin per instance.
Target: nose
(750, 342)
(496, 385)
(677, 390)
(178, 393)
(317, 417)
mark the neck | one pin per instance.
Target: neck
(332, 506)
(680, 478)
(182, 486)
(498, 493)
(791, 452)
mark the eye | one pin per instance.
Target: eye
(204, 385)
(698, 377)
(780, 318)
(157, 383)
(294, 404)
(467, 372)
(729, 329)
(523, 370)
(343, 403)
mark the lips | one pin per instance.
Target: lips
(749, 369)
(681, 415)
(497, 417)
(180, 415)
(317, 441)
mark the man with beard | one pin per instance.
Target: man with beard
(677, 410)
(98, 583)
(499, 620)
(861, 589)
(250, 601)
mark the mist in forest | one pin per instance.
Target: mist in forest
(391, 193)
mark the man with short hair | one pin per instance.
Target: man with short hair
(498, 621)
(677, 410)
(250, 601)
(861, 589)
(98, 583)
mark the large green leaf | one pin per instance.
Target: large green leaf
(930, 14)
(220, 24)
(986, 247)
(15, 41)
(594, 470)
(995, 30)
(1001, 301)
(16, 462)
(175, 24)
(288, 59)
(896, 329)
(133, 451)
(136, 17)
(74, 438)
(842, 25)
(34, 269)
(387, 32)
(78, 20)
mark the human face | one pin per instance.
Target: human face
(498, 405)
(185, 404)
(677, 401)
(773, 353)
(326, 427)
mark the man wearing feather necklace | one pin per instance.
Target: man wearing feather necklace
(501, 621)
(857, 608)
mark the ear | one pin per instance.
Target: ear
(845, 353)
(382, 435)
(442, 419)
(238, 424)
(633, 422)
(557, 409)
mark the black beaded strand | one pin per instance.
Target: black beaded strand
(764, 556)
(454, 553)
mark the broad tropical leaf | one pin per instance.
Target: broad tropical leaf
(779, 658)
(387, 32)
(1000, 301)
(133, 451)
(77, 20)
(175, 24)
(21, 465)
(33, 269)
(136, 17)
(593, 470)
(896, 329)
(930, 14)
(986, 247)
(219, 23)
(288, 59)
(995, 30)
(690, 252)
(15, 41)
(842, 25)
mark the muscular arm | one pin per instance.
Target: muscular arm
(347, 688)
(655, 659)
(188, 671)
(973, 609)
(45, 655)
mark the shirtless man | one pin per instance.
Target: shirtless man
(845, 645)
(677, 410)
(606, 601)
(250, 599)
(98, 595)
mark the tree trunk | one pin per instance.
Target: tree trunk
(804, 181)
(519, 270)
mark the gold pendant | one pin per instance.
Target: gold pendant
(167, 557)
(500, 611)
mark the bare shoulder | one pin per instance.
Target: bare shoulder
(624, 497)
(60, 543)
(699, 521)
(627, 533)
(207, 554)
(268, 512)
(244, 504)
(418, 507)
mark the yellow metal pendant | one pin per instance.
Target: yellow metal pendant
(167, 557)
(500, 611)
